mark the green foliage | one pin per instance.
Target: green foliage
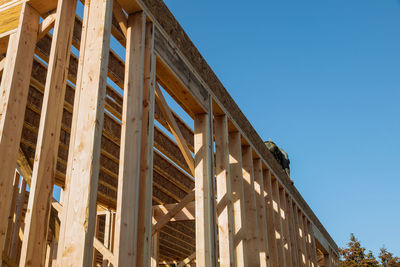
(355, 255)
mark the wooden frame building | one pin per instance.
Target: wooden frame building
(110, 101)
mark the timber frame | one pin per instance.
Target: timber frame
(111, 101)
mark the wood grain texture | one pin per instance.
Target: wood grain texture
(166, 22)
(272, 242)
(224, 193)
(261, 212)
(78, 229)
(126, 222)
(14, 92)
(10, 18)
(204, 191)
(146, 151)
(33, 252)
(239, 212)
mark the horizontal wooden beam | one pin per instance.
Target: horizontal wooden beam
(10, 18)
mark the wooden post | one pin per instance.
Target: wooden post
(302, 237)
(77, 227)
(239, 213)
(224, 193)
(11, 224)
(13, 97)
(33, 252)
(273, 246)
(251, 207)
(155, 250)
(126, 223)
(292, 231)
(17, 219)
(306, 240)
(278, 223)
(261, 212)
(327, 261)
(146, 164)
(285, 226)
(204, 196)
(313, 247)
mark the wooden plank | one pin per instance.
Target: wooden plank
(187, 213)
(292, 232)
(302, 242)
(261, 212)
(14, 91)
(146, 153)
(67, 182)
(3, 49)
(285, 226)
(181, 84)
(162, 103)
(278, 223)
(99, 246)
(126, 223)
(46, 25)
(33, 252)
(188, 260)
(155, 251)
(174, 211)
(121, 17)
(43, 6)
(308, 242)
(224, 193)
(204, 191)
(18, 220)
(313, 248)
(11, 225)
(251, 207)
(302, 220)
(239, 212)
(273, 245)
(300, 254)
(10, 18)
(77, 227)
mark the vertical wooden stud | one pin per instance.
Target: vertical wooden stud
(13, 97)
(33, 250)
(239, 213)
(77, 227)
(313, 247)
(302, 237)
(126, 222)
(261, 212)
(251, 209)
(285, 226)
(17, 219)
(224, 193)
(146, 164)
(204, 196)
(278, 223)
(306, 240)
(273, 246)
(292, 231)
(155, 250)
(11, 224)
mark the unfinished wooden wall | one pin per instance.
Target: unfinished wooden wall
(154, 167)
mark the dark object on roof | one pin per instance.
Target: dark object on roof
(280, 155)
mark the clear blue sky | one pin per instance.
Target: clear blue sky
(322, 79)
